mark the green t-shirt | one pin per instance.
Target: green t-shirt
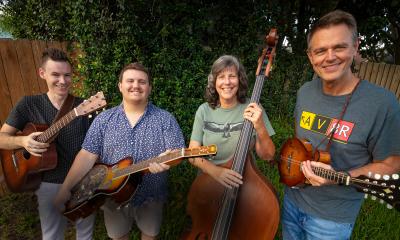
(222, 127)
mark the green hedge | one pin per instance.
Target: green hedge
(178, 41)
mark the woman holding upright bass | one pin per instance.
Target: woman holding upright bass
(222, 121)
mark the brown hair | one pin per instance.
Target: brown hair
(135, 66)
(54, 54)
(218, 66)
(334, 18)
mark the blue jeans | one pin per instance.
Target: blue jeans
(298, 225)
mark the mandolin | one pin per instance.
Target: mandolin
(295, 151)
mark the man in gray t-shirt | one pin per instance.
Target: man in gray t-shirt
(365, 140)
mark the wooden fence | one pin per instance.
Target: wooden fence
(19, 61)
(385, 75)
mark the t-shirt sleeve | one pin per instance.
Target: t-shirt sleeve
(386, 142)
(198, 126)
(267, 123)
(173, 134)
(95, 136)
(18, 115)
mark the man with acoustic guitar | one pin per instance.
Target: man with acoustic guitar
(365, 140)
(138, 129)
(42, 109)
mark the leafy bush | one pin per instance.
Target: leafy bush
(178, 41)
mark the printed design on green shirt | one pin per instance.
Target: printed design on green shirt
(325, 125)
(226, 128)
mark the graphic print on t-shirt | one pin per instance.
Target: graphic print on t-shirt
(226, 128)
(325, 125)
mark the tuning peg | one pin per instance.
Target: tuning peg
(104, 109)
(373, 198)
(366, 196)
(395, 176)
(389, 206)
(381, 201)
(369, 174)
(97, 112)
(90, 116)
(386, 177)
(377, 176)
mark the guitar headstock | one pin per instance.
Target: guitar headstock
(91, 104)
(201, 151)
(386, 188)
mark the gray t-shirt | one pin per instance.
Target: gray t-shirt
(222, 127)
(370, 130)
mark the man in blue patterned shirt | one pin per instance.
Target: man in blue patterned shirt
(138, 129)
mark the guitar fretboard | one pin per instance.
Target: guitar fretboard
(56, 127)
(145, 164)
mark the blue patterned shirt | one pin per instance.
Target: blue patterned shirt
(113, 138)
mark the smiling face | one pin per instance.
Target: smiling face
(331, 52)
(135, 86)
(227, 85)
(58, 76)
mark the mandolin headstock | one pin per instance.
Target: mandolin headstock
(386, 188)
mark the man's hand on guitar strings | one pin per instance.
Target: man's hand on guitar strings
(32, 146)
(159, 167)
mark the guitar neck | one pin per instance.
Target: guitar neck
(49, 133)
(140, 166)
(338, 177)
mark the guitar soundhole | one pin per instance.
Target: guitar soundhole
(26, 154)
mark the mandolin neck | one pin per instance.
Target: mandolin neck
(338, 177)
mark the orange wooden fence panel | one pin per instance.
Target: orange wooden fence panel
(382, 74)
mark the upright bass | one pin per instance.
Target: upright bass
(250, 211)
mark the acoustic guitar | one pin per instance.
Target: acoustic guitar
(119, 181)
(22, 171)
(295, 151)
